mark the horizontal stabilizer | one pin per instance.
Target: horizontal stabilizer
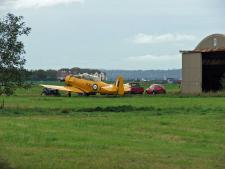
(118, 88)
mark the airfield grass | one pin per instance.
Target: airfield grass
(170, 131)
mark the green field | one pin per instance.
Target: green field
(171, 131)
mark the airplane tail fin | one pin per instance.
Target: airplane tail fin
(120, 85)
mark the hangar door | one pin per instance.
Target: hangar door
(213, 70)
(191, 73)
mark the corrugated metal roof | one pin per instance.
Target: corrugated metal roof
(204, 50)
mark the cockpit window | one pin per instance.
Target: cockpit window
(78, 76)
(88, 77)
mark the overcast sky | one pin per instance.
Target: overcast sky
(114, 34)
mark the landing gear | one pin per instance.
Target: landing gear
(86, 94)
(50, 92)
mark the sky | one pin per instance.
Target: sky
(114, 34)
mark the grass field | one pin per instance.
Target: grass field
(133, 132)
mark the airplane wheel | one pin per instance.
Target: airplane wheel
(95, 86)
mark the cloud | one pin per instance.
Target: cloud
(35, 3)
(142, 38)
(150, 61)
(151, 57)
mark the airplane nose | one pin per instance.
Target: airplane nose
(69, 80)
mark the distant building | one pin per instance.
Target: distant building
(62, 73)
(171, 80)
(103, 77)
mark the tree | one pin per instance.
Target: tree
(12, 72)
(40, 75)
(51, 75)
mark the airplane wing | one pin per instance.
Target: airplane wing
(64, 88)
(117, 88)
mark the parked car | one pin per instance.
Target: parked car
(136, 88)
(156, 89)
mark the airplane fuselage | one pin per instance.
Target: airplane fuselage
(87, 86)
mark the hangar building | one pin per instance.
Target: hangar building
(203, 67)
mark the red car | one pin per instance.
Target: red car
(136, 88)
(156, 89)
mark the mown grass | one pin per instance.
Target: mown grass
(158, 132)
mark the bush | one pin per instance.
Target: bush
(4, 164)
(65, 111)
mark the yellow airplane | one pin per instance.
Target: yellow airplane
(86, 84)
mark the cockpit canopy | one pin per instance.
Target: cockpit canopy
(87, 76)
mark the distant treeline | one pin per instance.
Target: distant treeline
(144, 74)
(53, 75)
(41, 75)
